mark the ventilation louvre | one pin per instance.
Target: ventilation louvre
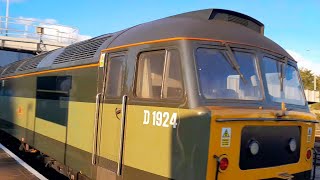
(225, 15)
(81, 51)
(13, 67)
(238, 18)
(33, 62)
(1, 69)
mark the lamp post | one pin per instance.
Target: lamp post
(315, 82)
(7, 16)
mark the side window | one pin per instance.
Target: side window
(172, 86)
(115, 76)
(159, 75)
(53, 98)
(150, 71)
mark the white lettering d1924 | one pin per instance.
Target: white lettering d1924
(160, 119)
(146, 117)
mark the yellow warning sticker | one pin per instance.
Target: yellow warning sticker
(19, 111)
(101, 61)
(309, 134)
(225, 137)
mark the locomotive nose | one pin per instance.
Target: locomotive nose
(260, 148)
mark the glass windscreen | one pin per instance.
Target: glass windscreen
(283, 82)
(221, 77)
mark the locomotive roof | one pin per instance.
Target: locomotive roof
(215, 24)
(197, 25)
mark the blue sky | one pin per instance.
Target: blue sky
(295, 25)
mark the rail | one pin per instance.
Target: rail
(38, 30)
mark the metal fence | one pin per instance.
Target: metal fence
(312, 96)
(39, 30)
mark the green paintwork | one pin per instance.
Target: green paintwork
(149, 151)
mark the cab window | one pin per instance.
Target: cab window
(219, 79)
(283, 82)
(115, 76)
(159, 75)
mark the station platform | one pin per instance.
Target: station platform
(13, 168)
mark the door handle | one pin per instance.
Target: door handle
(117, 111)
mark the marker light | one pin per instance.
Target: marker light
(224, 163)
(254, 147)
(309, 153)
(293, 145)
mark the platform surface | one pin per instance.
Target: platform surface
(13, 168)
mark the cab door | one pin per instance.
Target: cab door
(110, 120)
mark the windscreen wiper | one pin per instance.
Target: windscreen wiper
(234, 63)
(283, 71)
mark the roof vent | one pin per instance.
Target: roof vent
(32, 63)
(238, 20)
(226, 15)
(11, 68)
(2, 69)
(81, 51)
(235, 17)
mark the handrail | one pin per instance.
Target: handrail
(95, 130)
(266, 119)
(27, 28)
(48, 37)
(122, 130)
(15, 30)
(33, 20)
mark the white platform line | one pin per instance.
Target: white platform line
(22, 163)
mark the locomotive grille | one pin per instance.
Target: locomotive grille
(32, 63)
(81, 51)
(1, 69)
(238, 20)
(13, 67)
(274, 141)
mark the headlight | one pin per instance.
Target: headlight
(292, 145)
(254, 147)
(224, 163)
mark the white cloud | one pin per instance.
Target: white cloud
(51, 29)
(51, 21)
(305, 63)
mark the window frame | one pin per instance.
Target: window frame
(50, 94)
(136, 71)
(254, 52)
(107, 58)
(289, 63)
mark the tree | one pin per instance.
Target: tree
(307, 79)
(318, 83)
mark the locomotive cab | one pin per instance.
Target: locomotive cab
(228, 100)
(259, 115)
